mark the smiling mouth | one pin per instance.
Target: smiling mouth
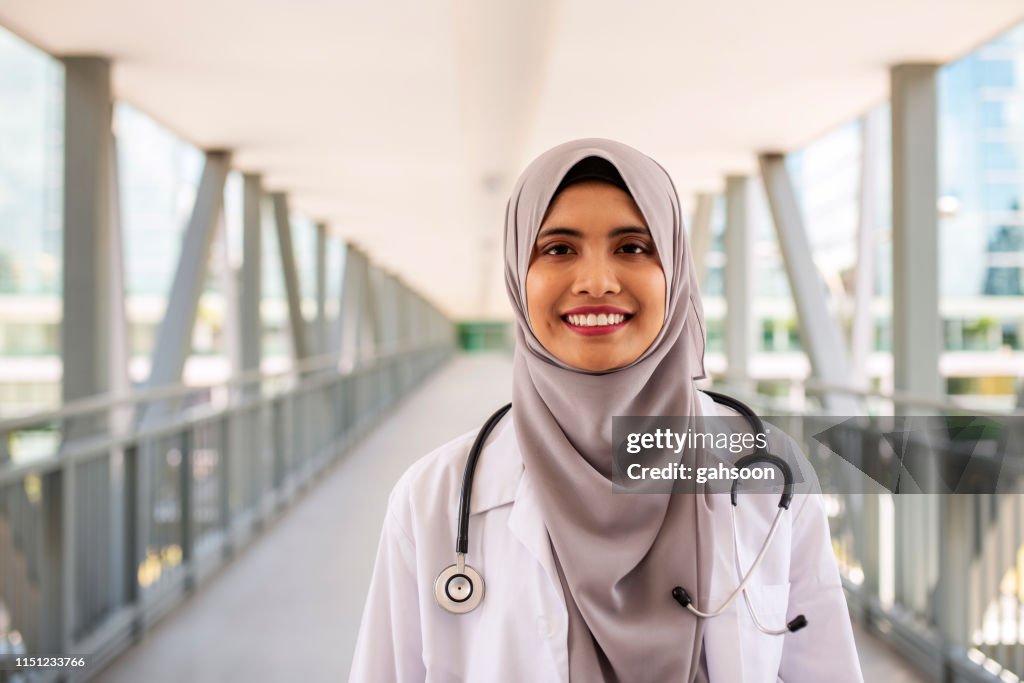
(593, 324)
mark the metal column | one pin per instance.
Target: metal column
(917, 329)
(252, 275)
(405, 305)
(300, 344)
(700, 235)
(822, 338)
(347, 317)
(120, 347)
(321, 288)
(739, 282)
(365, 325)
(392, 309)
(174, 339)
(372, 318)
(94, 344)
(338, 328)
(87, 316)
(862, 330)
(868, 507)
(120, 380)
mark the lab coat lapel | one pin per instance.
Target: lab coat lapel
(723, 641)
(527, 526)
(501, 479)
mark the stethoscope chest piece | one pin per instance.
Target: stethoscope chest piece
(459, 588)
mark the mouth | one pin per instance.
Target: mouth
(591, 324)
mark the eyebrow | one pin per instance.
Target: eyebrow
(570, 232)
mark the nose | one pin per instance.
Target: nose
(595, 276)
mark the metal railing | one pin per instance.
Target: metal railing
(940, 576)
(113, 509)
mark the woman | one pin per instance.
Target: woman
(578, 579)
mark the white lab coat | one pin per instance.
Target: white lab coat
(519, 630)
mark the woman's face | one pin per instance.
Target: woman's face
(595, 290)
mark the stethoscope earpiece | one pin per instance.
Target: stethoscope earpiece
(459, 588)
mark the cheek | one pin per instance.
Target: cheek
(537, 295)
(651, 287)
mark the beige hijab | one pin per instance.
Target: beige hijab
(619, 554)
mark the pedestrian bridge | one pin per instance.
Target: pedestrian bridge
(251, 269)
(233, 537)
(285, 604)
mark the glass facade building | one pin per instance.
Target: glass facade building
(31, 170)
(981, 221)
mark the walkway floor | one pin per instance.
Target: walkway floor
(288, 607)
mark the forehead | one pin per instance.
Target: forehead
(593, 199)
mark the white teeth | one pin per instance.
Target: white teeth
(593, 320)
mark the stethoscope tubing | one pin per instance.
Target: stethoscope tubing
(462, 572)
(462, 540)
(742, 587)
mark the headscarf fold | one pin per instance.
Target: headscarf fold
(618, 554)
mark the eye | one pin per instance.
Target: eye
(555, 250)
(639, 247)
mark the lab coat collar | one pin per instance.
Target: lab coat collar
(499, 469)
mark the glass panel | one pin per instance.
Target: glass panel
(159, 175)
(981, 224)
(31, 198)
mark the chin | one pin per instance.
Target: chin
(599, 365)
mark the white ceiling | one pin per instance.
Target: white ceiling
(404, 124)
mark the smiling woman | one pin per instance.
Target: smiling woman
(584, 583)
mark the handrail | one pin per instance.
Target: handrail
(907, 398)
(96, 445)
(104, 402)
(897, 397)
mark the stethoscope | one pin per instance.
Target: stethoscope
(459, 588)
